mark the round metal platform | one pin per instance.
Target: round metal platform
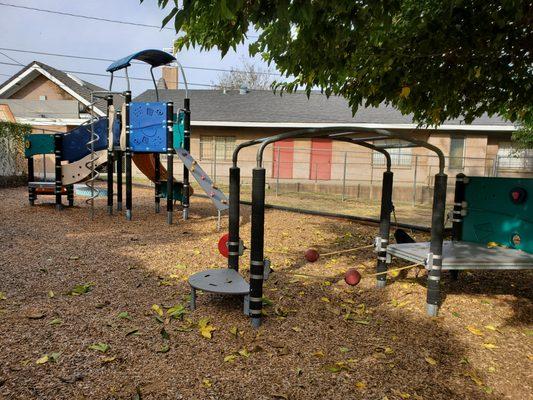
(222, 281)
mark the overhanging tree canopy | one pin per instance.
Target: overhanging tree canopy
(435, 59)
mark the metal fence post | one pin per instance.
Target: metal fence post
(215, 164)
(344, 177)
(414, 180)
(277, 171)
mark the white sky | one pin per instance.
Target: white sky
(38, 31)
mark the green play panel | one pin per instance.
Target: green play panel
(178, 129)
(499, 210)
(177, 189)
(38, 144)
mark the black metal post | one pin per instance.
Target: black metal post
(384, 227)
(187, 147)
(234, 214)
(31, 178)
(119, 156)
(127, 99)
(58, 150)
(109, 159)
(457, 218)
(70, 195)
(170, 162)
(434, 260)
(257, 240)
(157, 183)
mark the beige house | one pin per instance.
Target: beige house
(223, 119)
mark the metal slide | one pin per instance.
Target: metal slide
(218, 198)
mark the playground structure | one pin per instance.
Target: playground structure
(493, 211)
(138, 133)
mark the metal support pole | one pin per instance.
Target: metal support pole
(109, 162)
(70, 195)
(120, 159)
(437, 236)
(414, 180)
(257, 248)
(384, 227)
(187, 147)
(344, 176)
(157, 184)
(129, 182)
(234, 215)
(31, 178)
(58, 150)
(215, 163)
(170, 164)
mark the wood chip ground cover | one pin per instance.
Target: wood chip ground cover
(106, 276)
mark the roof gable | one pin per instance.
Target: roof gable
(77, 88)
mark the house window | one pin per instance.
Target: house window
(42, 98)
(400, 156)
(510, 158)
(216, 147)
(457, 152)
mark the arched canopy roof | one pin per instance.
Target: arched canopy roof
(153, 57)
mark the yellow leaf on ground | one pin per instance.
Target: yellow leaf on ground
(245, 353)
(319, 353)
(3, 296)
(474, 330)
(205, 328)
(475, 378)
(325, 299)
(296, 329)
(43, 360)
(360, 385)
(430, 361)
(51, 294)
(490, 346)
(230, 358)
(207, 383)
(491, 328)
(157, 309)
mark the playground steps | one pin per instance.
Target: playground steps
(218, 198)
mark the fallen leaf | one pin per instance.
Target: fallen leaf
(205, 328)
(475, 378)
(177, 311)
(157, 309)
(103, 347)
(490, 346)
(319, 354)
(430, 361)
(296, 329)
(124, 315)
(43, 360)
(51, 294)
(56, 321)
(245, 353)
(325, 299)
(78, 290)
(108, 359)
(134, 331)
(474, 330)
(344, 349)
(164, 349)
(207, 383)
(360, 385)
(3, 296)
(230, 358)
(35, 315)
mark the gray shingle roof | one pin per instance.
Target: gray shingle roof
(84, 89)
(265, 106)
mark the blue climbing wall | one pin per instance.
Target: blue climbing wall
(75, 141)
(492, 216)
(148, 132)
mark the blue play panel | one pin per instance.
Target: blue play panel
(75, 141)
(148, 127)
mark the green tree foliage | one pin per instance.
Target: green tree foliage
(436, 59)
